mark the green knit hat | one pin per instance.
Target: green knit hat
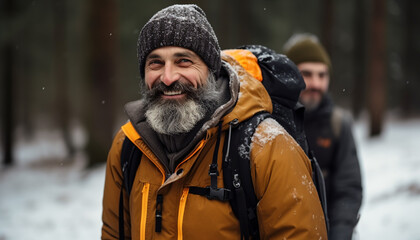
(306, 48)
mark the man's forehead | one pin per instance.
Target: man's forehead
(171, 51)
(313, 67)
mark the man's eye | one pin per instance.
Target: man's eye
(154, 63)
(306, 74)
(184, 61)
(322, 75)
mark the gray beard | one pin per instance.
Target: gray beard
(172, 117)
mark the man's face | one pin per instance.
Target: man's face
(317, 79)
(180, 90)
(172, 64)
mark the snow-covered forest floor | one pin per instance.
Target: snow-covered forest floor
(45, 198)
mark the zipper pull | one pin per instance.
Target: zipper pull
(158, 216)
(234, 122)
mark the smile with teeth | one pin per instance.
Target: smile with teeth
(171, 93)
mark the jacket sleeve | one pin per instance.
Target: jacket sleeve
(288, 207)
(111, 197)
(346, 185)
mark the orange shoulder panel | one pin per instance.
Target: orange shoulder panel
(247, 60)
(130, 131)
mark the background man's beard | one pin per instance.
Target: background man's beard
(310, 102)
(171, 117)
(310, 105)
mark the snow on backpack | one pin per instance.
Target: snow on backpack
(283, 82)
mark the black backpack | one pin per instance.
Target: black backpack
(284, 83)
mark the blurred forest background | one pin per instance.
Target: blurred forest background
(69, 66)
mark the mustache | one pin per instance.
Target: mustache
(159, 88)
(314, 90)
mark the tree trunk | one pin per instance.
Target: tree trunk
(376, 75)
(61, 73)
(327, 24)
(9, 61)
(101, 74)
(410, 56)
(224, 24)
(359, 57)
(244, 22)
(8, 114)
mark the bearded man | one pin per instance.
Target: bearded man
(191, 95)
(329, 132)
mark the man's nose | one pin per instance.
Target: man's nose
(170, 74)
(314, 82)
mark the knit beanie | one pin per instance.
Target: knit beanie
(181, 26)
(306, 48)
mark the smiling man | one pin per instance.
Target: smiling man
(329, 132)
(192, 95)
(181, 90)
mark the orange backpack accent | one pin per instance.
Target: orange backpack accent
(247, 60)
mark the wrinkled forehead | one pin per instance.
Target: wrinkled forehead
(172, 51)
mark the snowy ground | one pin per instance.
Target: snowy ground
(58, 200)
(391, 174)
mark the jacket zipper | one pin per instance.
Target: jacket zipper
(162, 171)
(144, 200)
(132, 134)
(181, 211)
(191, 154)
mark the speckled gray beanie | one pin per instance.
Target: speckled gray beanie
(182, 26)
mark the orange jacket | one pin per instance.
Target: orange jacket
(288, 206)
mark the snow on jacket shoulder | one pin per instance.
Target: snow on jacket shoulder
(288, 206)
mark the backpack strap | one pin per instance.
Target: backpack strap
(237, 174)
(238, 186)
(337, 117)
(318, 179)
(213, 192)
(130, 161)
(121, 216)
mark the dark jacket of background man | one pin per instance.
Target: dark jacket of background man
(329, 132)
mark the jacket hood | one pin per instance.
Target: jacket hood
(281, 77)
(251, 98)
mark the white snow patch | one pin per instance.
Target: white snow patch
(51, 202)
(308, 184)
(271, 130)
(296, 196)
(267, 56)
(391, 180)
